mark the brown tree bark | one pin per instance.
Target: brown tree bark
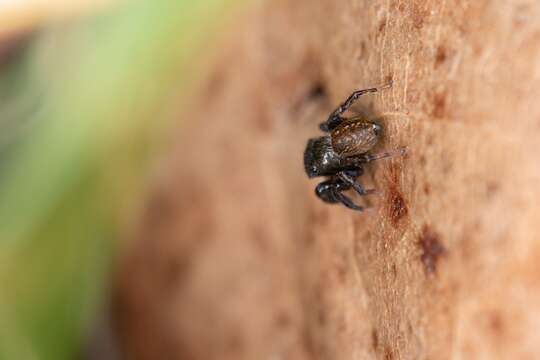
(236, 258)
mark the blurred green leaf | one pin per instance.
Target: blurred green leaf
(101, 86)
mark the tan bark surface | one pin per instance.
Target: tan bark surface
(236, 258)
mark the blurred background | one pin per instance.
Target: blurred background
(87, 89)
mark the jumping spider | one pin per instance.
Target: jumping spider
(341, 154)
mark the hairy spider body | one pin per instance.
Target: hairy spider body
(355, 137)
(341, 154)
(320, 159)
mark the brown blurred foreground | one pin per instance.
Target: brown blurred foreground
(235, 258)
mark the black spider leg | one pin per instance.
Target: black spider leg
(331, 191)
(346, 177)
(349, 176)
(335, 117)
(345, 200)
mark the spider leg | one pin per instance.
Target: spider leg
(369, 157)
(335, 117)
(331, 191)
(326, 190)
(348, 179)
(332, 123)
(345, 200)
(354, 173)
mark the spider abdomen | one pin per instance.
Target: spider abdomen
(355, 137)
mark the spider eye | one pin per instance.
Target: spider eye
(377, 129)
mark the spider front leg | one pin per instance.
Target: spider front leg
(335, 118)
(331, 191)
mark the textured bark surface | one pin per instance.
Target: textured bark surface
(235, 258)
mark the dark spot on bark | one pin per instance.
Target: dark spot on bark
(496, 324)
(363, 50)
(388, 353)
(175, 267)
(492, 188)
(394, 270)
(439, 105)
(427, 189)
(396, 205)
(477, 49)
(418, 16)
(283, 320)
(440, 56)
(374, 339)
(316, 92)
(382, 25)
(388, 78)
(418, 22)
(432, 249)
(176, 270)
(342, 272)
(215, 83)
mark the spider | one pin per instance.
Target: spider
(341, 154)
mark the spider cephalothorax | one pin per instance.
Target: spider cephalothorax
(341, 154)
